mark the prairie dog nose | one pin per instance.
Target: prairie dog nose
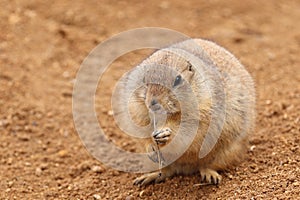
(154, 105)
(153, 102)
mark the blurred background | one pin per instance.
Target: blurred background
(42, 44)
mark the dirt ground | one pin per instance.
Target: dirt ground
(42, 44)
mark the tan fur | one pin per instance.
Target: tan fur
(239, 102)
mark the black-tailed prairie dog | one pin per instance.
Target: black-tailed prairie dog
(225, 96)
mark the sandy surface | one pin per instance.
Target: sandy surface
(42, 45)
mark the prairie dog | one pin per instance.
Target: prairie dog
(219, 74)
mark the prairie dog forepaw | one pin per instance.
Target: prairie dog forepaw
(146, 179)
(210, 176)
(162, 136)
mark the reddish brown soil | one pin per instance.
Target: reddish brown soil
(42, 44)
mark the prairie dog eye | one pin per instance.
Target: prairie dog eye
(177, 81)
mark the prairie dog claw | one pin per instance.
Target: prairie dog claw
(162, 136)
(146, 179)
(210, 176)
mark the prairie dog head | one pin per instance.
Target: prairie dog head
(162, 84)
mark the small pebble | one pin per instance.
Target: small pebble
(296, 184)
(62, 153)
(141, 193)
(38, 171)
(3, 122)
(9, 161)
(97, 196)
(10, 183)
(252, 147)
(268, 102)
(97, 169)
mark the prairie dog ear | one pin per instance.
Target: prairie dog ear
(189, 71)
